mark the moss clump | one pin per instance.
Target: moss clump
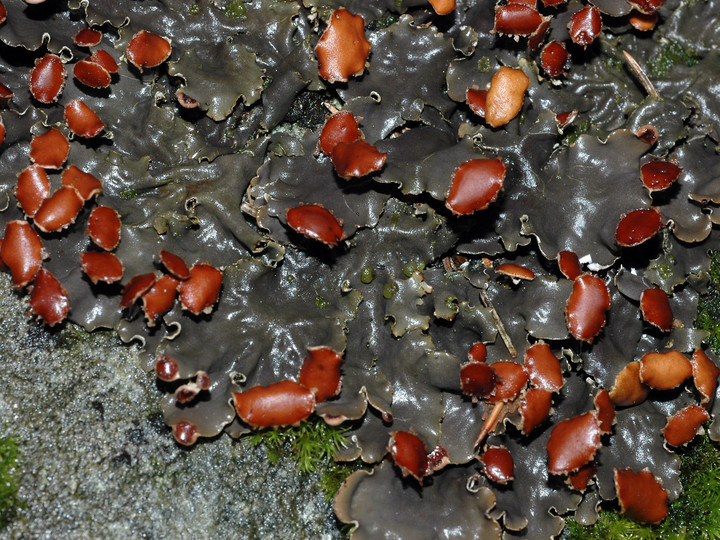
(708, 317)
(694, 515)
(9, 456)
(313, 444)
(671, 55)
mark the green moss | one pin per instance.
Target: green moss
(708, 317)
(194, 9)
(382, 22)
(671, 55)
(694, 515)
(9, 457)
(313, 444)
(574, 131)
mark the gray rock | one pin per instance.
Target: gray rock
(98, 460)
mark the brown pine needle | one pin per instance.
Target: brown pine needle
(641, 75)
(499, 325)
(490, 423)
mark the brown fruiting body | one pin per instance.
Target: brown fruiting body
(283, 403)
(342, 49)
(48, 298)
(510, 379)
(579, 479)
(476, 99)
(585, 25)
(103, 227)
(642, 21)
(82, 120)
(682, 426)
(586, 308)
(655, 309)
(101, 266)
(356, 159)
(159, 299)
(22, 252)
(478, 352)
(320, 372)
(316, 222)
(49, 150)
(605, 409)
(185, 433)
(475, 184)
(340, 127)
(87, 37)
(573, 443)
(664, 370)
(535, 408)
(200, 292)
(135, 288)
(640, 495)
(477, 380)
(166, 368)
(543, 367)
(705, 375)
(628, 388)
(85, 183)
(33, 187)
(409, 454)
(59, 210)
(638, 226)
(148, 50)
(174, 264)
(554, 59)
(104, 59)
(658, 175)
(47, 78)
(498, 464)
(569, 264)
(505, 96)
(517, 19)
(91, 74)
(443, 7)
(515, 271)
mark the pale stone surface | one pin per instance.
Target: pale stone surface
(99, 462)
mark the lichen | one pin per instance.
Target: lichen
(694, 515)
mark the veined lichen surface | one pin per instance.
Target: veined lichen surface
(475, 233)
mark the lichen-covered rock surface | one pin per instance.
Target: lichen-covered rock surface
(98, 461)
(487, 204)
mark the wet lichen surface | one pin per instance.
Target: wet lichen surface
(472, 235)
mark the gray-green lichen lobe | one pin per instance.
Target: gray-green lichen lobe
(98, 460)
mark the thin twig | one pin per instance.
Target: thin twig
(641, 75)
(499, 325)
(490, 423)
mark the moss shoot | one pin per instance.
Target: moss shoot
(313, 445)
(9, 456)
